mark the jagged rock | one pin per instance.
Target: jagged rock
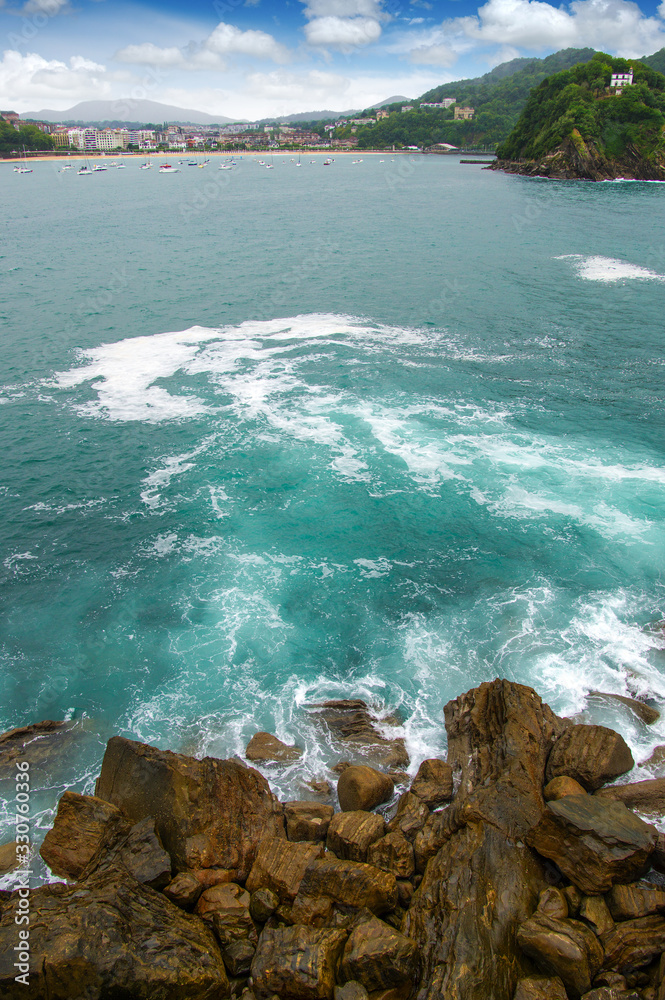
(574, 899)
(646, 713)
(405, 892)
(559, 787)
(350, 722)
(639, 899)
(429, 841)
(9, 859)
(226, 907)
(362, 787)
(552, 903)
(379, 957)
(351, 883)
(138, 851)
(297, 962)
(264, 747)
(633, 943)
(307, 820)
(110, 936)
(594, 910)
(313, 911)
(78, 830)
(593, 755)
(38, 745)
(656, 762)
(319, 786)
(562, 947)
(183, 890)
(209, 814)
(351, 833)
(263, 904)
(540, 988)
(433, 783)
(393, 853)
(280, 866)
(351, 991)
(410, 817)
(643, 796)
(238, 956)
(594, 843)
(609, 993)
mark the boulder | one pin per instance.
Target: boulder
(595, 911)
(639, 899)
(410, 817)
(656, 762)
(404, 892)
(633, 943)
(263, 904)
(313, 911)
(392, 853)
(297, 962)
(351, 991)
(226, 908)
(238, 956)
(280, 866)
(264, 748)
(552, 902)
(351, 883)
(361, 787)
(379, 957)
(562, 947)
(81, 825)
(594, 843)
(559, 787)
(41, 745)
(351, 724)
(350, 834)
(429, 841)
(183, 890)
(645, 713)
(643, 796)
(209, 814)
(110, 936)
(540, 988)
(574, 899)
(9, 859)
(593, 755)
(433, 783)
(307, 820)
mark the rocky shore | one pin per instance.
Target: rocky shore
(576, 159)
(510, 871)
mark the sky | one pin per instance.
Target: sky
(251, 59)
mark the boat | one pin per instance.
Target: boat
(168, 168)
(146, 166)
(23, 168)
(226, 166)
(202, 165)
(192, 163)
(66, 166)
(262, 163)
(84, 170)
(98, 168)
(326, 163)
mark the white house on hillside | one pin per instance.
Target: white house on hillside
(621, 80)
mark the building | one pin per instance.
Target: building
(61, 139)
(445, 103)
(621, 80)
(463, 114)
(12, 117)
(381, 114)
(407, 107)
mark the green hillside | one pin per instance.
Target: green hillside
(656, 61)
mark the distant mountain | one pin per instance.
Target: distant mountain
(388, 101)
(319, 116)
(128, 112)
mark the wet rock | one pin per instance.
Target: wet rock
(9, 859)
(634, 943)
(639, 899)
(39, 744)
(307, 820)
(540, 988)
(226, 908)
(79, 828)
(111, 937)
(565, 948)
(559, 787)
(351, 883)
(643, 796)
(264, 747)
(656, 762)
(280, 866)
(593, 755)
(209, 814)
(297, 962)
(350, 834)
(319, 786)
(610, 993)
(574, 899)
(411, 816)
(379, 957)
(138, 851)
(351, 991)
(646, 713)
(429, 841)
(361, 787)
(313, 911)
(263, 904)
(594, 910)
(404, 893)
(238, 956)
(183, 890)
(393, 853)
(351, 724)
(433, 783)
(552, 903)
(594, 843)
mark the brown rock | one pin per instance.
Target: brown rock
(643, 796)
(565, 948)
(183, 890)
(351, 991)
(656, 762)
(208, 813)
(9, 859)
(40, 745)
(434, 834)
(633, 943)
(280, 866)
(559, 787)
(80, 826)
(350, 722)
(351, 833)
(594, 843)
(313, 911)
(574, 899)
(111, 937)
(410, 817)
(639, 899)
(297, 962)
(552, 903)
(264, 747)
(263, 904)
(434, 782)
(238, 956)
(351, 884)
(540, 988)
(646, 713)
(593, 755)
(594, 910)
(379, 957)
(404, 893)
(226, 907)
(361, 787)
(307, 820)
(392, 853)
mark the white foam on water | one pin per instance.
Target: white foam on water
(609, 269)
(371, 569)
(174, 465)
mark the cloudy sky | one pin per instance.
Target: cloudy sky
(254, 58)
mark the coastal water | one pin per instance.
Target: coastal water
(381, 430)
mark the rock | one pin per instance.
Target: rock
(238, 956)
(639, 899)
(351, 883)
(280, 866)
(646, 713)
(433, 783)
(319, 786)
(656, 762)
(404, 893)
(9, 859)
(138, 851)
(351, 991)
(593, 755)
(226, 907)
(361, 787)
(565, 948)
(350, 722)
(351, 833)
(393, 853)
(297, 962)
(609, 993)
(594, 843)
(552, 903)
(410, 817)
(633, 943)
(111, 937)
(183, 890)
(313, 911)
(574, 899)
(263, 904)
(379, 957)
(209, 814)
(429, 841)
(559, 787)
(643, 796)
(307, 820)
(264, 747)
(80, 826)
(40, 745)
(540, 988)
(594, 910)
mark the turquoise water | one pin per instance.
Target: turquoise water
(383, 429)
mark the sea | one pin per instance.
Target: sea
(382, 429)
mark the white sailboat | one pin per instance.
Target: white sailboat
(23, 168)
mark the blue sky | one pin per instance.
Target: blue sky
(255, 58)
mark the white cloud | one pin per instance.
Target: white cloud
(206, 55)
(148, 54)
(48, 7)
(227, 40)
(434, 55)
(29, 78)
(343, 24)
